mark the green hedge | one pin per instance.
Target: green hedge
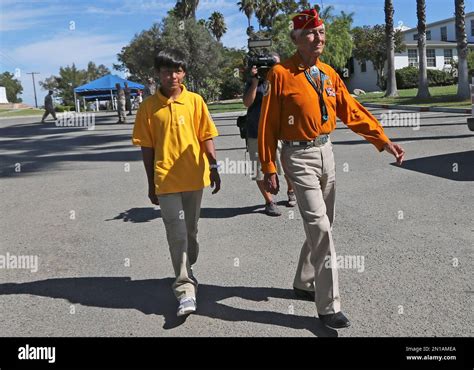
(63, 108)
(407, 78)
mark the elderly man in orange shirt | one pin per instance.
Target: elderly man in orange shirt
(302, 99)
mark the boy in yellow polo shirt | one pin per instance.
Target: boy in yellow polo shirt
(174, 129)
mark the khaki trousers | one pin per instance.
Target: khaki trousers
(312, 172)
(180, 213)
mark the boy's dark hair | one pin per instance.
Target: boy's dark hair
(170, 58)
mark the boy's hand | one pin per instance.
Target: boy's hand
(215, 180)
(152, 196)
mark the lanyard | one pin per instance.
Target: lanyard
(317, 75)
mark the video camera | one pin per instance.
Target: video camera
(257, 56)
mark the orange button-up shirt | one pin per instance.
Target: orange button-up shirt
(291, 110)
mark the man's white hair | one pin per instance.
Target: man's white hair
(295, 34)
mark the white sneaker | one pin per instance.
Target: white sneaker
(186, 306)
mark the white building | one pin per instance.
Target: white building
(441, 48)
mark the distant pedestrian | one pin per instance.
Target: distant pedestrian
(121, 101)
(150, 88)
(48, 106)
(128, 99)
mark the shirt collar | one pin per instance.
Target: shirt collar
(301, 67)
(166, 101)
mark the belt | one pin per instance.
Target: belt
(318, 141)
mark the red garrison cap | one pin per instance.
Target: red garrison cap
(307, 19)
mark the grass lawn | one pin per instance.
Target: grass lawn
(226, 107)
(20, 112)
(441, 96)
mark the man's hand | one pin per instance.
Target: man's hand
(396, 150)
(152, 196)
(215, 180)
(271, 183)
(254, 71)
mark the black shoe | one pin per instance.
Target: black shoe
(307, 295)
(335, 320)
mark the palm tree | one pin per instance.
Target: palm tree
(247, 7)
(216, 25)
(304, 4)
(289, 6)
(186, 8)
(423, 91)
(390, 40)
(461, 38)
(266, 11)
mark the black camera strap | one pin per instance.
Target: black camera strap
(315, 78)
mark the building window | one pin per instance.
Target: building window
(413, 57)
(472, 27)
(444, 34)
(431, 57)
(448, 56)
(363, 67)
(428, 36)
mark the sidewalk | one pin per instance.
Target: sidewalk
(419, 109)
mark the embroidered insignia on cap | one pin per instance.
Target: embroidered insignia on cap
(266, 87)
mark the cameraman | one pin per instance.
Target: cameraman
(253, 95)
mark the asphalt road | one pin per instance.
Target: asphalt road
(76, 200)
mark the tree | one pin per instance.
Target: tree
(339, 42)
(304, 4)
(94, 72)
(423, 91)
(461, 38)
(12, 86)
(266, 11)
(185, 9)
(248, 8)
(370, 45)
(137, 58)
(216, 25)
(390, 44)
(64, 84)
(289, 6)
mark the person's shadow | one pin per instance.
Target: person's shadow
(155, 297)
(146, 214)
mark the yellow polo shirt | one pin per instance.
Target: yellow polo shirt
(176, 129)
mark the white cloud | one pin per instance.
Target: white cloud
(69, 47)
(48, 55)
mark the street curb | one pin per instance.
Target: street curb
(228, 114)
(419, 109)
(14, 117)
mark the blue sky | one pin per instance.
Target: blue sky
(41, 36)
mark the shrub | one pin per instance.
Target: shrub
(63, 108)
(231, 88)
(407, 78)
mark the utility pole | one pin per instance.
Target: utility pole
(34, 87)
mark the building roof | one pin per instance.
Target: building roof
(428, 25)
(439, 44)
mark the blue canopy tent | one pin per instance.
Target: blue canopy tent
(104, 88)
